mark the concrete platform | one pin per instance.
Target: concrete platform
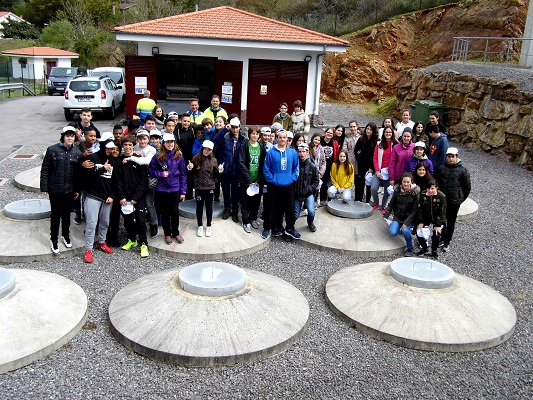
(367, 237)
(228, 240)
(188, 209)
(468, 210)
(29, 180)
(42, 313)
(29, 240)
(153, 316)
(351, 209)
(466, 316)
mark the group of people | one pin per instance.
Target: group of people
(143, 172)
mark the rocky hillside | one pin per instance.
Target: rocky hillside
(379, 53)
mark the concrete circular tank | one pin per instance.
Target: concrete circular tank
(187, 209)
(28, 209)
(351, 209)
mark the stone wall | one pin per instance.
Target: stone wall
(486, 113)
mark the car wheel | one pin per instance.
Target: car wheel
(112, 111)
(68, 115)
(123, 104)
(50, 93)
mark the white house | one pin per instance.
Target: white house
(6, 16)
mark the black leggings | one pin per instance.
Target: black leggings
(204, 197)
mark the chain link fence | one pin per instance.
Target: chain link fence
(22, 73)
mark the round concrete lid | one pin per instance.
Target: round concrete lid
(28, 209)
(187, 209)
(422, 273)
(352, 209)
(212, 279)
(7, 282)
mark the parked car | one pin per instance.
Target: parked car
(99, 94)
(60, 77)
(115, 73)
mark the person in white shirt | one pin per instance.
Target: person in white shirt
(404, 123)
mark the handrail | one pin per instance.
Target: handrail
(15, 86)
(493, 49)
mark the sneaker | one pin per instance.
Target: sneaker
(408, 253)
(129, 245)
(254, 224)
(55, 248)
(323, 203)
(246, 228)
(375, 207)
(383, 211)
(144, 250)
(153, 231)
(422, 252)
(226, 214)
(235, 216)
(66, 241)
(293, 234)
(435, 255)
(104, 247)
(446, 247)
(179, 238)
(200, 231)
(88, 258)
(208, 231)
(77, 219)
(168, 240)
(303, 213)
(287, 238)
(265, 234)
(277, 232)
(312, 227)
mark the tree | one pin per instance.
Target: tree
(58, 34)
(19, 30)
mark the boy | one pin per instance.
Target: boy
(431, 211)
(209, 129)
(86, 117)
(155, 140)
(305, 186)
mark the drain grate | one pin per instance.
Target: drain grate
(24, 156)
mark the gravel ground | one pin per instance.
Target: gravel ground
(332, 360)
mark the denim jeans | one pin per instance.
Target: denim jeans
(394, 228)
(346, 195)
(309, 204)
(376, 183)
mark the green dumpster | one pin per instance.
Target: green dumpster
(421, 108)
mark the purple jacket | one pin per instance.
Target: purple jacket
(177, 177)
(413, 161)
(398, 160)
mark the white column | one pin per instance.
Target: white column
(526, 55)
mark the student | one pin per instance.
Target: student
(300, 120)
(306, 186)
(184, 137)
(434, 120)
(118, 133)
(297, 140)
(60, 181)
(196, 115)
(100, 192)
(364, 153)
(168, 166)
(159, 116)
(145, 106)
(264, 137)
(149, 123)
(132, 184)
(454, 181)
(404, 206)
(419, 134)
(400, 155)
(431, 218)
(438, 147)
(249, 172)
(85, 122)
(405, 122)
(349, 143)
(419, 155)
(155, 140)
(283, 117)
(382, 156)
(215, 110)
(387, 122)
(114, 215)
(342, 178)
(168, 126)
(209, 128)
(422, 176)
(198, 141)
(331, 152)
(205, 169)
(133, 126)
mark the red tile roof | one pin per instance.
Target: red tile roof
(229, 23)
(2, 13)
(40, 51)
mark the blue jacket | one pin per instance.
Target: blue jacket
(273, 171)
(437, 151)
(177, 177)
(224, 153)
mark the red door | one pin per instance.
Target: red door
(229, 72)
(139, 67)
(271, 82)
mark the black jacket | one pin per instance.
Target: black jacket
(432, 209)
(242, 172)
(364, 153)
(100, 183)
(307, 181)
(204, 179)
(404, 205)
(454, 181)
(132, 181)
(60, 171)
(185, 140)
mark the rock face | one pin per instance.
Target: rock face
(378, 54)
(490, 113)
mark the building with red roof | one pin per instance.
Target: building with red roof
(252, 62)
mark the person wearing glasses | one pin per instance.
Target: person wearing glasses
(283, 117)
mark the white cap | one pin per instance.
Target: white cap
(289, 134)
(208, 144)
(69, 129)
(167, 137)
(106, 136)
(172, 114)
(420, 144)
(276, 126)
(452, 150)
(266, 129)
(142, 132)
(155, 132)
(110, 145)
(303, 146)
(235, 122)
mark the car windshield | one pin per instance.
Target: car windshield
(84, 86)
(58, 72)
(116, 76)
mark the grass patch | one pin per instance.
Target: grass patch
(385, 109)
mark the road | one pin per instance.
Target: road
(36, 120)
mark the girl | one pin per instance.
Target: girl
(342, 178)
(168, 166)
(419, 155)
(431, 211)
(382, 155)
(422, 176)
(317, 156)
(199, 140)
(297, 140)
(331, 152)
(340, 134)
(387, 122)
(418, 133)
(159, 116)
(404, 205)
(205, 170)
(364, 154)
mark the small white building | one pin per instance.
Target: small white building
(36, 62)
(5, 16)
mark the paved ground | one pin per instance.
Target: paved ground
(332, 360)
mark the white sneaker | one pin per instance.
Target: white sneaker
(67, 243)
(208, 231)
(200, 231)
(54, 247)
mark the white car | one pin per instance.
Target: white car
(100, 94)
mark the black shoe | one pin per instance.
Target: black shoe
(287, 238)
(235, 216)
(312, 227)
(422, 252)
(277, 232)
(153, 231)
(435, 255)
(226, 214)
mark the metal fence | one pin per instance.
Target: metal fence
(502, 50)
(27, 77)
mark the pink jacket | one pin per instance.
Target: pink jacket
(399, 157)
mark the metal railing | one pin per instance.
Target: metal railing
(506, 50)
(15, 86)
